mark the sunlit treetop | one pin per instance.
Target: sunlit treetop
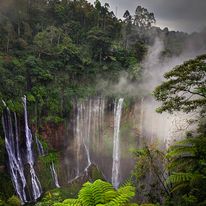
(184, 88)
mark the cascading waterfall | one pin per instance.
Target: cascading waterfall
(54, 175)
(12, 148)
(78, 138)
(40, 147)
(87, 137)
(36, 186)
(116, 143)
(41, 152)
(89, 125)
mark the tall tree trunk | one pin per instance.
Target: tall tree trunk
(7, 45)
(100, 57)
(19, 29)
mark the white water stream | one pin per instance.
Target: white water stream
(116, 144)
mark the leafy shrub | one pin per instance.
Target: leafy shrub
(14, 201)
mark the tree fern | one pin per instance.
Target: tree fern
(185, 180)
(185, 165)
(101, 193)
(183, 155)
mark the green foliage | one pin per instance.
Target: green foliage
(49, 198)
(2, 150)
(143, 18)
(101, 193)
(49, 158)
(56, 51)
(58, 195)
(99, 42)
(182, 153)
(187, 166)
(185, 87)
(61, 48)
(149, 164)
(184, 90)
(147, 205)
(2, 203)
(14, 201)
(6, 189)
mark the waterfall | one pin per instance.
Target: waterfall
(36, 186)
(40, 147)
(83, 129)
(54, 175)
(12, 148)
(87, 136)
(78, 138)
(88, 128)
(116, 143)
(41, 152)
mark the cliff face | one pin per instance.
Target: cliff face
(55, 135)
(87, 135)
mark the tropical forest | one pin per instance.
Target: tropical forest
(100, 109)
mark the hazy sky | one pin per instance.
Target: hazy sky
(182, 15)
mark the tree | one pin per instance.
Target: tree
(99, 43)
(127, 16)
(127, 27)
(187, 169)
(185, 88)
(143, 18)
(51, 41)
(149, 165)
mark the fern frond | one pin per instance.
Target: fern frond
(71, 202)
(177, 178)
(182, 151)
(99, 188)
(110, 195)
(179, 187)
(182, 163)
(124, 194)
(58, 204)
(197, 179)
(127, 182)
(85, 195)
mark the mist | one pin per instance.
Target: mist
(165, 128)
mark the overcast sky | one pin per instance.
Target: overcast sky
(182, 15)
